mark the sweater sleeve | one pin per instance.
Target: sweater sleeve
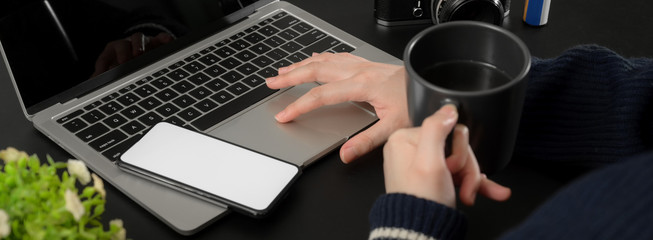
(586, 108)
(401, 216)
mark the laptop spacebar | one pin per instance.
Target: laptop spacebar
(233, 107)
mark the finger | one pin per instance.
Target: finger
(471, 179)
(319, 96)
(493, 190)
(437, 127)
(371, 138)
(456, 161)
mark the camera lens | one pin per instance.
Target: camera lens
(490, 11)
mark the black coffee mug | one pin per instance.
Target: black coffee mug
(483, 70)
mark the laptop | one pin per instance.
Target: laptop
(205, 73)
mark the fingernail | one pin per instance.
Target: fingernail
(450, 112)
(280, 116)
(270, 80)
(348, 154)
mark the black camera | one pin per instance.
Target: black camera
(406, 12)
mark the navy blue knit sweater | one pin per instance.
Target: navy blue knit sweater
(589, 107)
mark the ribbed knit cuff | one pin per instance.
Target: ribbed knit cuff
(401, 216)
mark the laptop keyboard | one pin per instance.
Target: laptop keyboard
(203, 89)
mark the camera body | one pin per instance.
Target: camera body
(408, 12)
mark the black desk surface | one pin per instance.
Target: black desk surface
(332, 200)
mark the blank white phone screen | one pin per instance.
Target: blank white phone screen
(211, 165)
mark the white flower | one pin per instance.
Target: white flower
(99, 185)
(11, 155)
(120, 235)
(74, 205)
(5, 228)
(78, 169)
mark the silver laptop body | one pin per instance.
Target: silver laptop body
(301, 142)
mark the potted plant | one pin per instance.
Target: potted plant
(42, 201)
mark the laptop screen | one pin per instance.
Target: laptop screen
(59, 48)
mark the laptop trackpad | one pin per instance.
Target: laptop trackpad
(301, 141)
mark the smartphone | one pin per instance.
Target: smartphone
(210, 168)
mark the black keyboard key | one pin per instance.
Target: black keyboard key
(310, 37)
(110, 97)
(237, 88)
(276, 54)
(266, 22)
(239, 45)
(167, 110)
(206, 105)
(237, 36)
(232, 76)
(175, 120)
(252, 29)
(162, 82)
(150, 119)
(115, 152)
(183, 86)
(230, 63)
(199, 78)
(223, 43)
(247, 69)
(222, 97)
(176, 65)
(92, 132)
(184, 101)
(149, 103)
(127, 88)
(110, 108)
(128, 99)
(262, 61)
(291, 47)
(233, 107)
(297, 57)
(209, 59)
(160, 72)
(114, 121)
(193, 67)
(321, 45)
(268, 30)
(75, 125)
(302, 27)
(189, 114)
(279, 15)
(132, 112)
(192, 57)
(166, 95)
(285, 22)
(282, 63)
(245, 55)
(268, 72)
(133, 127)
(288, 34)
(214, 71)
(200, 93)
(70, 116)
(343, 48)
(107, 141)
(225, 52)
(216, 84)
(144, 80)
(254, 38)
(260, 48)
(207, 50)
(145, 90)
(178, 74)
(253, 80)
(274, 41)
(92, 105)
(93, 116)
